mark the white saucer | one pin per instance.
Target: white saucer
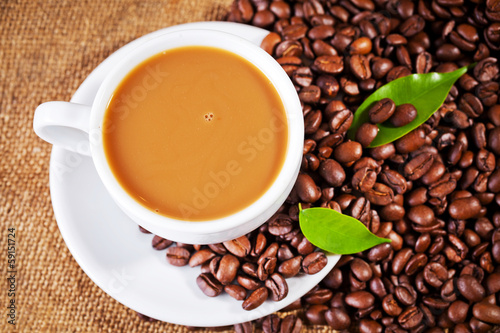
(117, 257)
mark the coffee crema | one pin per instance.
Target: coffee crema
(195, 133)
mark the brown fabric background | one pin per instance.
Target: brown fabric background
(47, 48)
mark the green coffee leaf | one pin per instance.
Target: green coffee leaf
(426, 92)
(335, 232)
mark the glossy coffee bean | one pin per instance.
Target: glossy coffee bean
(470, 288)
(360, 299)
(178, 256)
(160, 243)
(382, 110)
(337, 318)
(255, 299)
(366, 133)
(464, 208)
(209, 285)
(403, 115)
(314, 262)
(332, 172)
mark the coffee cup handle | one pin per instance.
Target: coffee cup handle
(64, 124)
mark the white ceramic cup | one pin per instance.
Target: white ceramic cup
(78, 128)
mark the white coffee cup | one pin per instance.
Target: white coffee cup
(79, 127)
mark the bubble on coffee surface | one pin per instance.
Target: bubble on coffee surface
(209, 116)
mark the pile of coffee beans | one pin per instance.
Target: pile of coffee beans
(252, 268)
(434, 192)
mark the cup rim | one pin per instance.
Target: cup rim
(262, 61)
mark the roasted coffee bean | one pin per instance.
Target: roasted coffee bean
(263, 18)
(332, 172)
(394, 180)
(369, 325)
(348, 152)
(493, 283)
(382, 110)
(470, 288)
(235, 291)
(159, 243)
(418, 166)
(318, 296)
(240, 246)
(435, 274)
(379, 252)
(383, 152)
(486, 70)
(411, 141)
(485, 161)
(303, 76)
(304, 247)
(315, 314)
(494, 140)
(310, 94)
(314, 262)
(364, 179)
(272, 249)
(200, 257)
(380, 67)
(291, 324)
(340, 120)
(380, 194)
(360, 299)
(255, 299)
(457, 312)
(416, 263)
(322, 31)
(248, 268)
(366, 133)
(307, 189)
(397, 72)
(391, 306)
(289, 48)
(421, 215)
(277, 286)
(294, 31)
(209, 285)
(392, 212)
(489, 313)
(403, 115)
(470, 105)
(178, 256)
(329, 64)
(338, 318)
(349, 87)
(270, 41)
(360, 66)
(246, 327)
(405, 294)
(464, 208)
(435, 173)
(248, 282)
(218, 248)
(423, 64)
(226, 269)
(333, 279)
(280, 224)
(328, 84)
(410, 317)
(362, 45)
(361, 270)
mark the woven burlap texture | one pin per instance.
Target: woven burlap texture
(47, 49)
